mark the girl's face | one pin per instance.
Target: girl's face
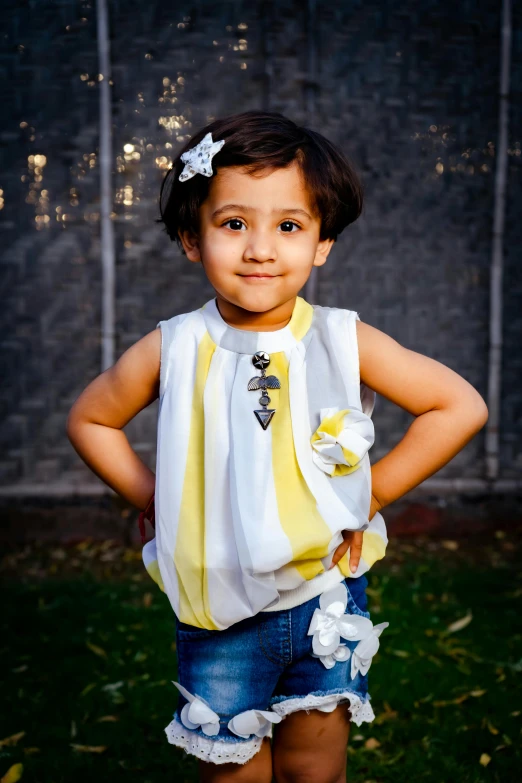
(258, 239)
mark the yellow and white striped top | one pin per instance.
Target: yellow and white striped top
(247, 519)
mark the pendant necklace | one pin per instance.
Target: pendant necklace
(261, 360)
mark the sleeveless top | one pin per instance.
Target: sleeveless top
(247, 515)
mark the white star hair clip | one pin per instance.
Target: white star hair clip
(198, 160)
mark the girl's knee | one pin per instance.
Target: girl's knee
(257, 770)
(303, 770)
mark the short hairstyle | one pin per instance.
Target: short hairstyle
(265, 140)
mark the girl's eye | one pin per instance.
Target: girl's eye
(288, 226)
(235, 224)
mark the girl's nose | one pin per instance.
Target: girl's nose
(260, 247)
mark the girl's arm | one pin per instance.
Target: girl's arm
(99, 414)
(448, 413)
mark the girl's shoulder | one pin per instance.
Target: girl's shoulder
(170, 326)
(174, 332)
(176, 320)
(337, 331)
(337, 325)
(335, 314)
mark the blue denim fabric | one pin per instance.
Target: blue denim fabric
(263, 660)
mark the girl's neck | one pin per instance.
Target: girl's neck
(268, 321)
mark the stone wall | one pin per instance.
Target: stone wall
(410, 91)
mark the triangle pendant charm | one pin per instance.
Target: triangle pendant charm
(264, 417)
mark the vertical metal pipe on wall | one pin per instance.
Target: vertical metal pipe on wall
(496, 274)
(105, 158)
(266, 22)
(311, 286)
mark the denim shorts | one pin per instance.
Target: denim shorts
(235, 684)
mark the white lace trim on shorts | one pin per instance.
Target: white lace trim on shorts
(218, 751)
(210, 749)
(361, 711)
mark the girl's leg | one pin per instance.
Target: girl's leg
(257, 770)
(311, 747)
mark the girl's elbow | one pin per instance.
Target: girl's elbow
(469, 412)
(484, 414)
(70, 425)
(478, 411)
(73, 423)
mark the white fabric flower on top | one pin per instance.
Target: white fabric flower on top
(198, 160)
(258, 722)
(196, 713)
(329, 624)
(341, 440)
(366, 649)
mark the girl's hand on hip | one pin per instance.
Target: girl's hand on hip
(353, 540)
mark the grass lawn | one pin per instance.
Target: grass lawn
(87, 657)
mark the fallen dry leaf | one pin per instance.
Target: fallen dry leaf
(484, 759)
(458, 700)
(458, 625)
(108, 719)
(113, 686)
(451, 545)
(372, 744)
(386, 714)
(477, 693)
(12, 740)
(147, 600)
(96, 650)
(13, 774)
(89, 748)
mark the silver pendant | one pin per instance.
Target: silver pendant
(261, 360)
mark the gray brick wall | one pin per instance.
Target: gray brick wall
(408, 89)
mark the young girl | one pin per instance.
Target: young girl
(266, 509)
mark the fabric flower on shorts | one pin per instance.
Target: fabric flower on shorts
(196, 713)
(258, 722)
(366, 649)
(329, 624)
(341, 440)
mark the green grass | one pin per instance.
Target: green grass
(88, 656)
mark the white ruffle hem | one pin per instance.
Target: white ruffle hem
(360, 711)
(219, 751)
(209, 749)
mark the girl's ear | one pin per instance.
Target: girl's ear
(321, 254)
(190, 243)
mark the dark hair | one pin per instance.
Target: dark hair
(260, 140)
